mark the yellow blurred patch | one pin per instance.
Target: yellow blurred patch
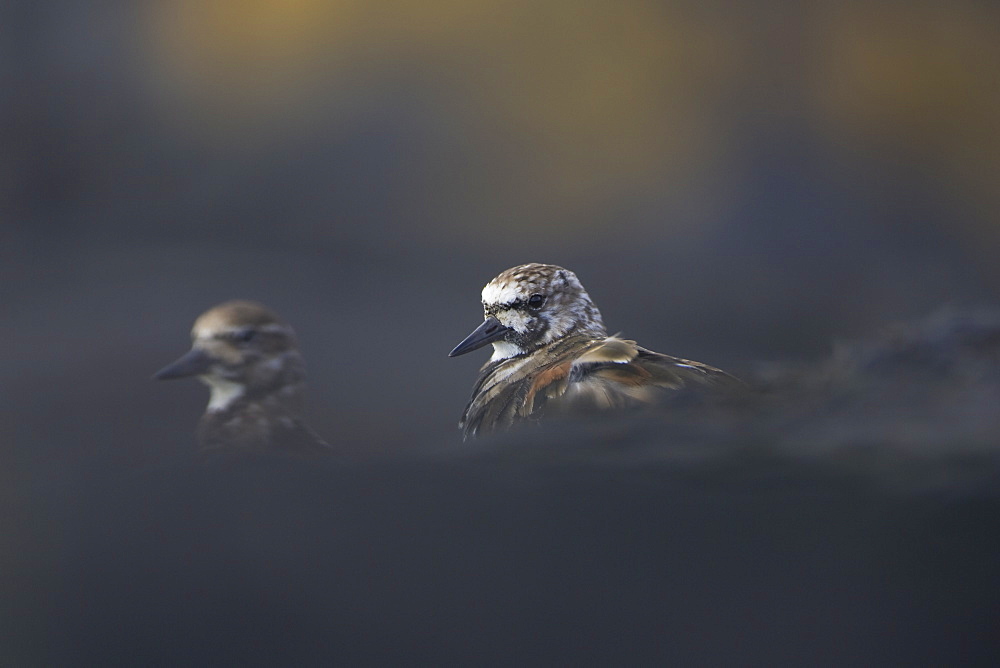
(921, 80)
(572, 102)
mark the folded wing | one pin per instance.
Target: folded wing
(581, 374)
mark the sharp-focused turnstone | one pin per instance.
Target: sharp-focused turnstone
(551, 352)
(249, 359)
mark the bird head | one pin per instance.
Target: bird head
(530, 306)
(239, 348)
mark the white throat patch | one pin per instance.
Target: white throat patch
(224, 392)
(504, 350)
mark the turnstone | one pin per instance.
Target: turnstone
(551, 353)
(249, 359)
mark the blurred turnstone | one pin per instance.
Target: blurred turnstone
(551, 352)
(249, 359)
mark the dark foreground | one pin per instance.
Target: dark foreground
(707, 557)
(850, 517)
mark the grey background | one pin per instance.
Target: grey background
(741, 186)
(736, 188)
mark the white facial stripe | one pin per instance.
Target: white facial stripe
(501, 293)
(213, 332)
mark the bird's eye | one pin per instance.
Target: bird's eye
(536, 301)
(244, 335)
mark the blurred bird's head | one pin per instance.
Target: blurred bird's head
(240, 349)
(530, 306)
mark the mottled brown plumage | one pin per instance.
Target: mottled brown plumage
(552, 354)
(249, 359)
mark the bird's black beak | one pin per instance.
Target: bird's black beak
(491, 330)
(194, 363)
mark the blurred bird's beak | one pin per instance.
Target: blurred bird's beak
(194, 363)
(491, 330)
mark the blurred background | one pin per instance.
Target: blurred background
(739, 185)
(731, 185)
